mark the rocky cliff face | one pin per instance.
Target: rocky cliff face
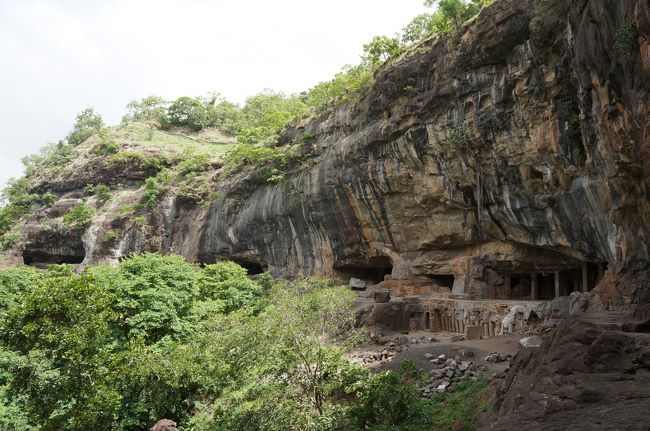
(518, 144)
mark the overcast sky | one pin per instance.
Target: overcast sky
(59, 56)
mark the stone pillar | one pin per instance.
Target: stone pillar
(506, 286)
(533, 286)
(601, 271)
(585, 281)
(557, 284)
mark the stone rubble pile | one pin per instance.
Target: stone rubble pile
(450, 372)
(373, 357)
(495, 357)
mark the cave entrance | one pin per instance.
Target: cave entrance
(545, 286)
(41, 259)
(443, 280)
(374, 270)
(519, 286)
(252, 268)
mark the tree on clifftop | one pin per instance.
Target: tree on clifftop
(87, 123)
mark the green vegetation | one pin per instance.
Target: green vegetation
(574, 130)
(87, 123)
(119, 348)
(152, 190)
(102, 191)
(272, 163)
(626, 40)
(152, 108)
(458, 140)
(8, 240)
(79, 216)
(347, 84)
(17, 202)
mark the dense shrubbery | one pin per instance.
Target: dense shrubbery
(272, 163)
(118, 348)
(79, 215)
(16, 203)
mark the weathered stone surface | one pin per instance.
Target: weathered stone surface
(381, 296)
(532, 341)
(355, 283)
(473, 332)
(164, 425)
(584, 376)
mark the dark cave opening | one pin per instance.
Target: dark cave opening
(444, 280)
(375, 270)
(253, 268)
(42, 259)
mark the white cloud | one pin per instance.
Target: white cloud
(59, 56)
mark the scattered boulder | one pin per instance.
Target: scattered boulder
(164, 425)
(495, 357)
(455, 338)
(357, 284)
(532, 341)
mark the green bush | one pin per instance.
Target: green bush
(111, 235)
(87, 123)
(458, 140)
(273, 163)
(48, 198)
(8, 240)
(626, 40)
(152, 190)
(265, 115)
(135, 160)
(188, 111)
(79, 215)
(228, 283)
(381, 49)
(194, 189)
(50, 157)
(17, 202)
(192, 162)
(151, 108)
(346, 85)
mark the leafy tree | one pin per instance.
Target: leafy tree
(421, 26)
(452, 14)
(222, 114)
(382, 49)
(16, 201)
(227, 283)
(188, 111)
(151, 108)
(265, 115)
(349, 82)
(61, 352)
(87, 123)
(156, 294)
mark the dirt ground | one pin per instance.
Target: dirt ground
(468, 350)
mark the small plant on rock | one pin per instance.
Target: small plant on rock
(626, 40)
(79, 216)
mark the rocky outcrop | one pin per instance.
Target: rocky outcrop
(517, 145)
(586, 375)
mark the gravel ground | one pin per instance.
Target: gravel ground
(467, 350)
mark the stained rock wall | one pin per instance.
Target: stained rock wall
(517, 145)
